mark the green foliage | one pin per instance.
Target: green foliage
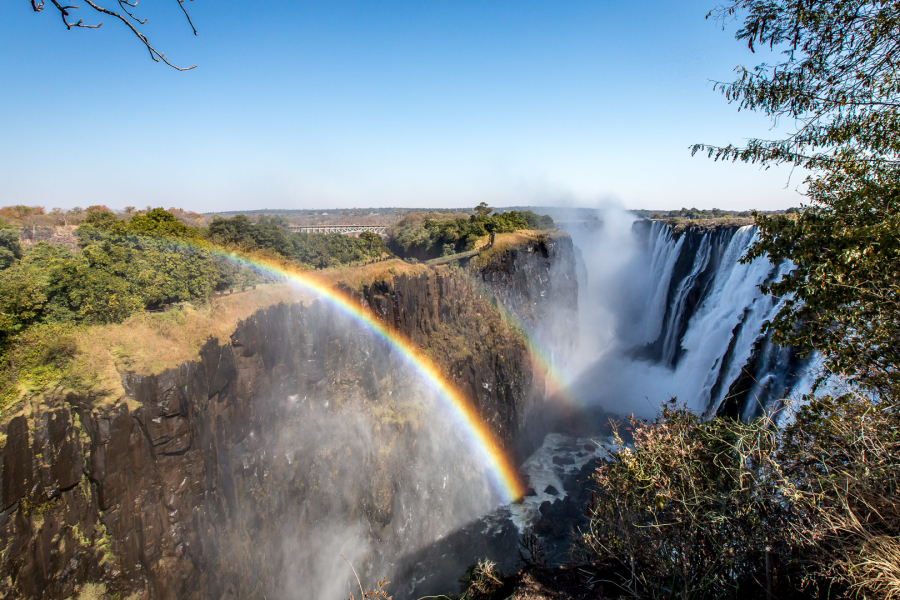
(40, 358)
(845, 291)
(101, 219)
(317, 250)
(693, 213)
(536, 221)
(423, 237)
(10, 247)
(483, 210)
(156, 223)
(837, 80)
(124, 266)
(23, 298)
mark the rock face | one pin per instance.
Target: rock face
(537, 282)
(56, 236)
(247, 473)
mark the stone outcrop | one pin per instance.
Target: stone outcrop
(215, 478)
(537, 282)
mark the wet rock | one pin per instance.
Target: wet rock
(546, 507)
(563, 460)
(530, 492)
(185, 494)
(551, 490)
(542, 527)
(16, 478)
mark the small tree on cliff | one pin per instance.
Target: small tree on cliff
(839, 80)
(483, 210)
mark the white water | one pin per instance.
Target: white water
(541, 472)
(722, 326)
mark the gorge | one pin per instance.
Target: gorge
(304, 441)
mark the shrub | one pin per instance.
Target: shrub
(729, 509)
(690, 511)
(481, 580)
(842, 457)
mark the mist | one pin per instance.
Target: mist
(632, 357)
(353, 460)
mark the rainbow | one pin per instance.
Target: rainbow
(554, 383)
(503, 473)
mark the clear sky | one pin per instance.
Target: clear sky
(336, 103)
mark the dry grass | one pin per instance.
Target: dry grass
(92, 591)
(359, 276)
(150, 343)
(504, 241)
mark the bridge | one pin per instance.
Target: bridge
(348, 229)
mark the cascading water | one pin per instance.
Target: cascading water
(696, 334)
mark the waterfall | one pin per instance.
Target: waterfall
(664, 252)
(698, 334)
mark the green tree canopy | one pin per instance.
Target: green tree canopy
(838, 80)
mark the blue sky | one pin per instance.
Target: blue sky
(380, 103)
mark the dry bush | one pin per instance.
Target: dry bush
(693, 510)
(481, 580)
(728, 509)
(842, 455)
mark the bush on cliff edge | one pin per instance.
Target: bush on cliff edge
(724, 509)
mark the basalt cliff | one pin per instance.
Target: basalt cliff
(252, 471)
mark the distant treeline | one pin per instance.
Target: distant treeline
(395, 212)
(714, 213)
(316, 250)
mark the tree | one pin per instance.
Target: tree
(123, 14)
(157, 222)
(483, 210)
(60, 215)
(845, 290)
(10, 247)
(838, 79)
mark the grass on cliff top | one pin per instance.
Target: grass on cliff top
(51, 361)
(505, 241)
(149, 343)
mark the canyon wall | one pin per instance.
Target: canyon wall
(248, 473)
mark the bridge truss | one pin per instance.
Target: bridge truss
(346, 229)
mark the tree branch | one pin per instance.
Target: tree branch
(126, 16)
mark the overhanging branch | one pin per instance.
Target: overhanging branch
(123, 14)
